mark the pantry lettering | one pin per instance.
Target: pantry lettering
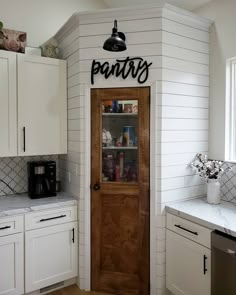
(137, 67)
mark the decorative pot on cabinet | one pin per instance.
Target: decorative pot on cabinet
(213, 191)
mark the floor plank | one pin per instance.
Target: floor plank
(74, 290)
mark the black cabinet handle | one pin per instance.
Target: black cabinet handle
(185, 229)
(204, 264)
(5, 227)
(51, 218)
(73, 235)
(24, 139)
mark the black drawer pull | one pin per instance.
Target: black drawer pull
(189, 231)
(73, 235)
(51, 218)
(204, 264)
(5, 227)
(24, 140)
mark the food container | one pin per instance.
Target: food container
(128, 108)
(128, 136)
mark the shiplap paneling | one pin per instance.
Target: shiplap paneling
(148, 37)
(184, 89)
(176, 159)
(128, 26)
(185, 66)
(184, 30)
(73, 103)
(182, 193)
(182, 147)
(184, 136)
(184, 124)
(178, 46)
(185, 54)
(133, 50)
(185, 42)
(183, 112)
(176, 100)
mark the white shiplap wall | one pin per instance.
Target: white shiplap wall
(177, 44)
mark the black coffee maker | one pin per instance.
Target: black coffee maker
(41, 179)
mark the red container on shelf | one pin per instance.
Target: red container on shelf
(117, 173)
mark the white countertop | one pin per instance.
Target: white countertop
(221, 217)
(21, 203)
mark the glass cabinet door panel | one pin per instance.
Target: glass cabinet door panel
(120, 140)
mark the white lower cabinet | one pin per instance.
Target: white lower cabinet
(188, 264)
(12, 264)
(50, 255)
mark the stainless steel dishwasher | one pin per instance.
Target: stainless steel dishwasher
(223, 270)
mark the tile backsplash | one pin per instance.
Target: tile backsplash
(14, 172)
(228, 183)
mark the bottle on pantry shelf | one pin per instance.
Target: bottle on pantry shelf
(109, 168)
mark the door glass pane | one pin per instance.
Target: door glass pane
(120, 141)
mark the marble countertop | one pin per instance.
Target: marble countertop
(21, 203)
(221, 217)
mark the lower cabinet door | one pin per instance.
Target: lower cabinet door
(12, 265)
(51, 255)
(188, 266)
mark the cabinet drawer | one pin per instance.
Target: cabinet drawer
(50, 217)
(190, 230)
(11, 225)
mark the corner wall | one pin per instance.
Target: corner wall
(222, 47)
(177, 44)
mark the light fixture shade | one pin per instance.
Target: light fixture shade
(116, 42)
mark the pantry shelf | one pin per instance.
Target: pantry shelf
(120, 114)
(120, 148)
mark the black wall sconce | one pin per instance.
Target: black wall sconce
(117, 40)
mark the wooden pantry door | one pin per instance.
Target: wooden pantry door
(120, 190)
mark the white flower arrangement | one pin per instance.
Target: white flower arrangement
(208, 169)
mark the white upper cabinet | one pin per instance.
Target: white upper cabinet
(8, 105)
(33, 99)
(42, 106)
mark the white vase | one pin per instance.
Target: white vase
(213, 191)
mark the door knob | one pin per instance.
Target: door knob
(96, 186)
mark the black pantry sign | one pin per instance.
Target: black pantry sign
(136, 67)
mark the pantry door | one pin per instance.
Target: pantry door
(120, 190)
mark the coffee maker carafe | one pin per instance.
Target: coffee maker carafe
(41, 179)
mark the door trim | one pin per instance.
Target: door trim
(86, 266)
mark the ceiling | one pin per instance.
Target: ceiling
(185, 4)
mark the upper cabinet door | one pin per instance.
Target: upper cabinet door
(42, 106)
(8, 105)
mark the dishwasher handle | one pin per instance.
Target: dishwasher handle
(223, 242)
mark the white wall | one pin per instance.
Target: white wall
(222, 46)
(41, 19)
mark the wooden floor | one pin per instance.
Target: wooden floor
(74, 290)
